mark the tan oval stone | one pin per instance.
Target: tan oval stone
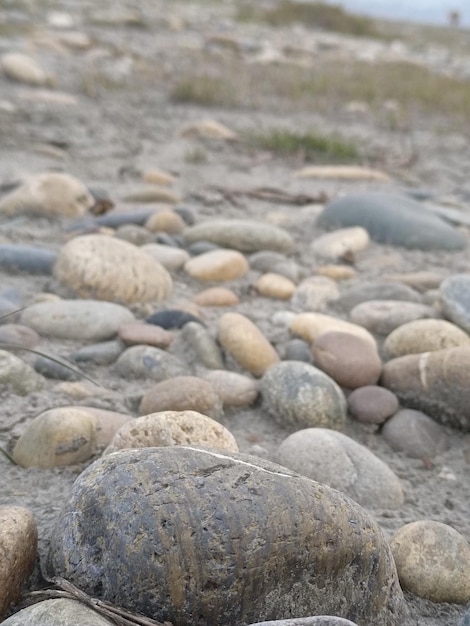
(49, 195)
(234, 389)
(424, 336)
(152, 193)
(166, 221)
(18, 548)
(241, 338)
(433, 561)
(182, 393)
(208, 129)
(340, 242)
(272, 285)
(140, 333)
(58, 437)
(25, 69)
(310, 326)
(171, 258)
(218, 265)
(158, 177)
(337, 272)
(173, 428)
(96, 266)
(216, 296)
(107, 423)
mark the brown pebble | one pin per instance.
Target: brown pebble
(272, 285)
(372, 404)
(140, 333)
(216, 296)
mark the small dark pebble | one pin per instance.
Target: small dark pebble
(103, 353)
(114, 218)
(172, 318)
(27, 259)
(298, 350)
(52, 369)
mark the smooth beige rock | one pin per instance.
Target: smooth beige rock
(433, 561)
(152, 193)
(216, 296)
(340, 242)
(58, 437)
(272, 285)
(182, 393)
(217, 265)
(158, 177)
(18, 547)
(166, 221)
(171, 258)
(337, 272)
(424, 336)
(96, 266)
(234, 389)
(48, 195)
(173, 428)
(315, 293)
(25, 69)
(208, 129)
(140, 333)
(241, 338)
(310, 326)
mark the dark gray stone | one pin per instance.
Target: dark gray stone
(298, 350)
(172, 318)
(149, 362)
(24, 258)
(392, 219)
(53, 369)
(102, 353)
(415, 434)
(454, 295)
(199, 537)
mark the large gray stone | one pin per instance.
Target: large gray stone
(392, 219)
(455, 299)
(200, 537)
(57, 612)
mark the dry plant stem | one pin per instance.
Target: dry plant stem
(119, 616)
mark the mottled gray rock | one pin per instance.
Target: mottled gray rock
(373, 290)
(298, 350)
(198, 537)
(383, 316)
(102, 353)
(393, 219)
(424, 336)
(340, 462)
(51, 368)
(31, 259)
(299, 395)
(205, 347)
(58, 612)
(89, 320)
(437, 383)
(243, 235)
(149, 362)
(17, 376)
(455, 299)
(415, 434)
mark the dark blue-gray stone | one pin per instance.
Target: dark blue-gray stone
(53, 369)
(454, 294)
(200, 537)
(26, 259)
(392, 219)
(172, 318)
(465, 619)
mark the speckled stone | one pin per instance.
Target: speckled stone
(424, 336)
(415, 434)
(149, 362)
(182, 393)
(372, 404)
(217, 265)
(350, 360)
(383, 316)
(298, 395)
(173, 428)
(105, 268)
(433, 561)
(228, 492)
(338, 461)
(244, 341)
(242, 235)
(18, 547)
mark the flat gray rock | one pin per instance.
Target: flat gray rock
(31, 259)
(392, 219)
(58, 612)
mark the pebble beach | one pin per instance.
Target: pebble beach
(234, 318)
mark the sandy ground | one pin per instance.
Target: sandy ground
(112, 133)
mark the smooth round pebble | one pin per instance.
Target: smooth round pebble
(217, 265)
(182, 393)
(171, 258)
(350, 360)
(315, 293)
(57, 612)
(216, 296)
(166, 220)
(384, 316)
(149, 362)
(372, 290)
(298, 350)
(173, 428)
(372, 404)
(18, 548)
(272, 285)
(103, 353)
(340, 462)
(88, 320)
(298, 395)
(336, 244)
(244, 341)
(235, 390)
(138, 333)
(415, 434)
(424, 336)
(134, 234)
(433, 561)
(310, 326)
(105, 268)
(336, 272)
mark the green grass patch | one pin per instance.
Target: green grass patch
(203, 90)
(313, 14)
(310, 147)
